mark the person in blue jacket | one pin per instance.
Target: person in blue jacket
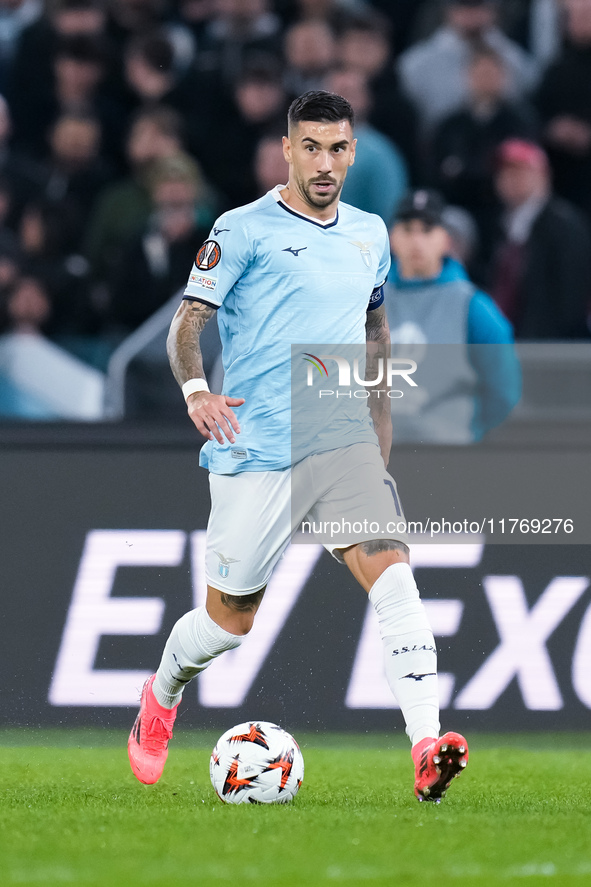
(468, 375)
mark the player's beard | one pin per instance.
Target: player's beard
(320, 201)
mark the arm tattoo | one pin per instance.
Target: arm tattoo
(377, 334)
(376, 326)
(182, 344)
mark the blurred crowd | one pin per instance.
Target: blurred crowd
(127, 126)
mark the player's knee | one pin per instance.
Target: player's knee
(368, 560)
(241, 610)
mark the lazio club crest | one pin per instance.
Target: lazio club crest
(364, 248)
(224, 565)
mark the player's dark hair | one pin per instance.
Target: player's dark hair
(320, 106)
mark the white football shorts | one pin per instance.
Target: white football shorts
(338, 498)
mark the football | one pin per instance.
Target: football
(256, 763)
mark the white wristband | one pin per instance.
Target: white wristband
(194, 385)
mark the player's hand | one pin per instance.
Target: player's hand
(212, 415)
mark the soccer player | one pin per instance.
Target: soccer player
(295, 266)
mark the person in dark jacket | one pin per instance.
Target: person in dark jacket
(465, 143)
(541, 270)
(564, 103)
(154, 264)
(364, 45)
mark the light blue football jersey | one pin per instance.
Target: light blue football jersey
(280, 278)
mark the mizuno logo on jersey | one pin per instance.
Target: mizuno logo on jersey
(295, 252)
(364, 248)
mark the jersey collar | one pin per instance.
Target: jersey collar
(276, 193)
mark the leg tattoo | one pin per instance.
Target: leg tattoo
(243, 602)
(375, 546)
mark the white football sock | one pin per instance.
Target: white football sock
(409, 648)
(194, 643)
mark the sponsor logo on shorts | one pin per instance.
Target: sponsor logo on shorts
(208, 283)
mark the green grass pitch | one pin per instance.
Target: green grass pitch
(71, 813)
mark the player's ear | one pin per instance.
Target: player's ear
(352, 155)
(287, 148)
